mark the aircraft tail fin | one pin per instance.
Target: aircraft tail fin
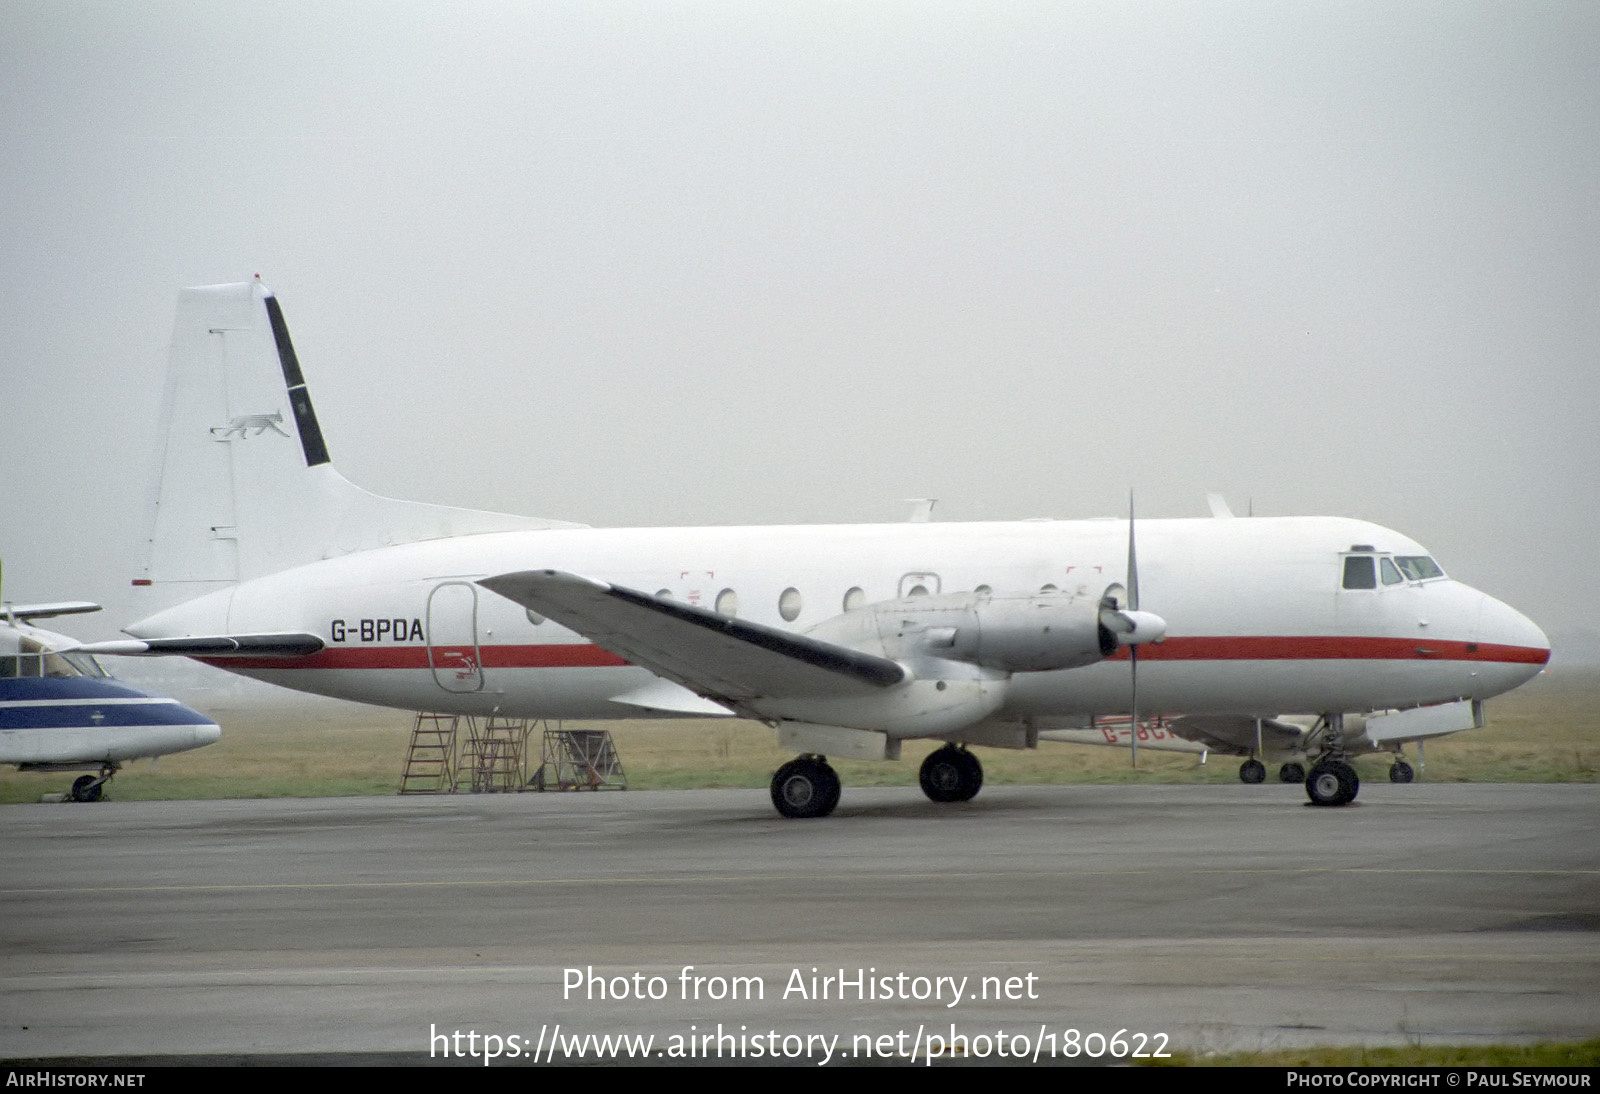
(245, 485)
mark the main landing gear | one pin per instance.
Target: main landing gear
(1254, 771)
(1401, 772)
(951, 774)
(805, 787)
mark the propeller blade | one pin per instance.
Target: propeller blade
(1133, 561)
(1133, 650)
(1133, 726)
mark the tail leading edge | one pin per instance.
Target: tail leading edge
(244, 485)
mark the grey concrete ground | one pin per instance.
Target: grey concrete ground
(1218, 916)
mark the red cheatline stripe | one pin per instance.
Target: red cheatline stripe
(585, 655)
(1323, 648)
(553, 656)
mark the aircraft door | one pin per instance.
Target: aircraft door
(453, 637)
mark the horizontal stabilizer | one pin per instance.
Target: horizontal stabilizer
(716, 656)
(21, 613)
(216, 645)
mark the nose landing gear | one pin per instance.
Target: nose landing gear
(88, 788)
(1332, 782)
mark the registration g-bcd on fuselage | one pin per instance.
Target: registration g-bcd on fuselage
(846, 639)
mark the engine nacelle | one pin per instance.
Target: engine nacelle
(1035, 633)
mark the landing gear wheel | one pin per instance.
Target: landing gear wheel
(1332, 783)
(805, 787)
(1401, 772)
(1291, 773)
(85, 788)
(951, 774)
(1252, 771)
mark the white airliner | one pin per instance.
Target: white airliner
(845, 639)
(59, 711)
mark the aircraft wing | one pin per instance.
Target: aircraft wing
(215, 645)
(25, 612)
(724, 659)
(1235, 733)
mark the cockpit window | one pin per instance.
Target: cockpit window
(1418, 567)
(1359, 572)
(85, 663)
(28, 657)
(1389, 572)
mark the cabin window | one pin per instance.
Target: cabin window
(1389, 573)
(789, 605)
(983, 590)
(1419, 567)
(1048, 588)
(1359, 572)
(917, 590)
(534, 617)
(854, 598)
(727, 603)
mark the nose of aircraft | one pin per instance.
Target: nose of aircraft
(1516, 641)
(202, 730)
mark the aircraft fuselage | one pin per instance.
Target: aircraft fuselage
(1258, 618)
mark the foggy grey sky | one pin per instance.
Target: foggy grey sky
(711, 263)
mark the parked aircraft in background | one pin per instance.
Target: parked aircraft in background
(60, 711)
(844, 639)
(1288, 742)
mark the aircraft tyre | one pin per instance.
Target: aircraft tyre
(951, 774)
(1401, 772)
(1252, 771)
(805, 787)
(1291, 773)
(1332, 783)
(85, 788)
